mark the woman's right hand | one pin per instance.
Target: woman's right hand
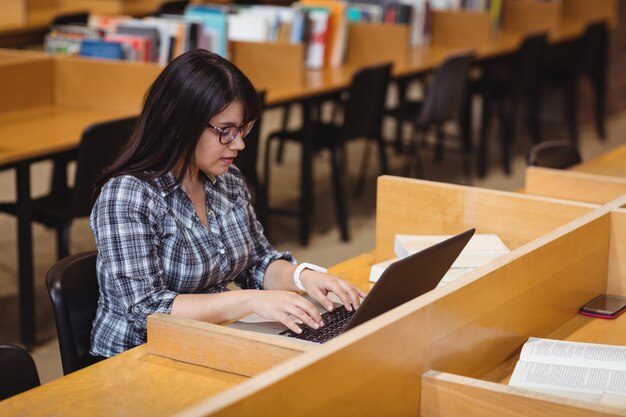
(283, 306)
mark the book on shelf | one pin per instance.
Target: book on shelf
(249, 27)
(479, 251)
(585, 371)
(150, 33)
(364, 13)
(336, 30)
(67, 39)
(101, 49)
(316, 35)
(281, 22)
(108, 23)
(136, 48)
(214, 26)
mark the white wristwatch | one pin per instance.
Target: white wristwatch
(302, 267)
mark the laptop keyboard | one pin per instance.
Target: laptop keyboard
(334, 323)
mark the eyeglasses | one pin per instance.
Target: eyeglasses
(228, 134)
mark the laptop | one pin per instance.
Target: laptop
(402, 281)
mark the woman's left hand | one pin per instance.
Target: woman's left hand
(319, 284)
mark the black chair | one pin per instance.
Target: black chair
(505, 82)
(18, 372)
(172, 7)
(247, 164)
(558, 154)
(445, 100)
(363, 108)
(99, 145)
(569, 62)
(73, 287)
(76, 18)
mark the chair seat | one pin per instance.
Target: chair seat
(52, 209)
(49, 210)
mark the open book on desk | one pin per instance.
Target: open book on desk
(583, 371)
(480, 250)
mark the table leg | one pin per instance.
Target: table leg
(306, 175)
(25, 255)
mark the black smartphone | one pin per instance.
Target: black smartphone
(605, 306)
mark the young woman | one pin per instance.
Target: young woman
(173, 221)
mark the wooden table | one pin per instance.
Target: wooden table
(47, 103)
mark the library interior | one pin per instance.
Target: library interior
(388, 128)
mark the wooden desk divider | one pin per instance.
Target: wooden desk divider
(588, 11)
(573, 185)
(370, 43)
(539, 294)
(461, 29)
(270, 65)
(102, 84)
(530, 16)
(131, 7)
(407, 206)
(13, 12)
(26, 80)
(376, 368)
(219, 347)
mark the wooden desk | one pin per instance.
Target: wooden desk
(396, 347)
(611, 163)
(135, 381)
(46, 104)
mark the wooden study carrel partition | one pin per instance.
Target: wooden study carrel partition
(528, 16)
(61, 96)
(370, 43)
(573, 185)
(558, 275)
(376, 368)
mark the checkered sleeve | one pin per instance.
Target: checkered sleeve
(263, 253)
(127, 239)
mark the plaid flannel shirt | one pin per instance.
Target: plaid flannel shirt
(153, 246)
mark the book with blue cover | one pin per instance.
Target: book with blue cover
(214, 23)
(101, 49)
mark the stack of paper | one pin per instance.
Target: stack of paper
(479, 251)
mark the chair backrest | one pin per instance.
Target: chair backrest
(594, 48)
(73, 287)
(527, 62)
(99, 146)
(18, 372)
(172, 7)
(558, 154)
(76, 18)
(365, 105)
(445, 92)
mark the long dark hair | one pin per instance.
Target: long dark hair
(189, 92)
